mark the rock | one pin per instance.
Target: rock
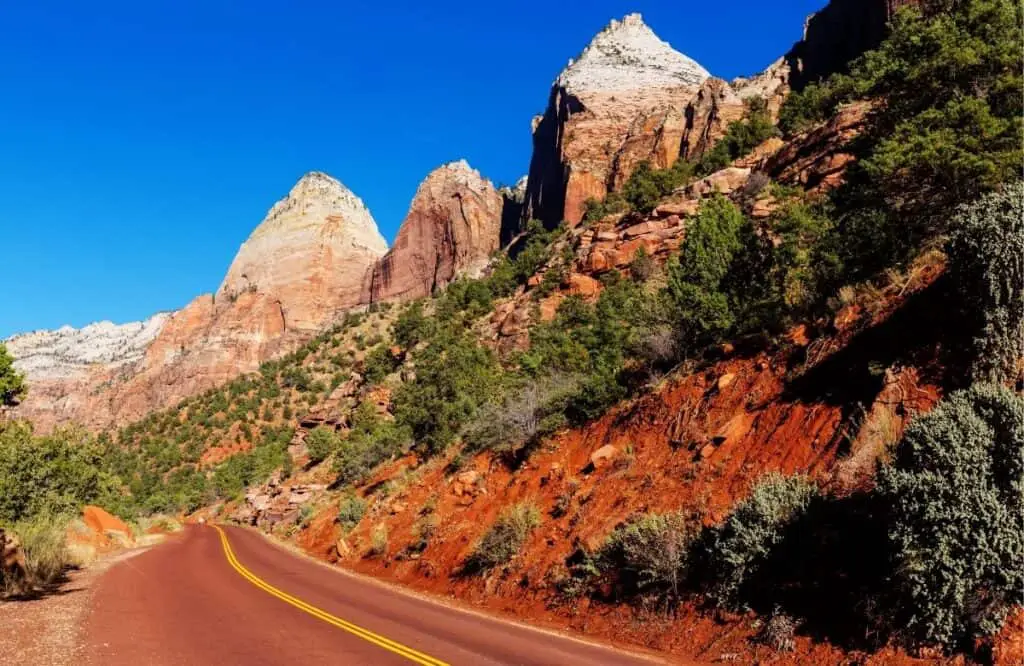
(798, 335)
(452, 227)
(644, 228)
(684, 208)
(706, 452)
(724, 181)
(817, 159)
(763, 208)
(603, 456)
(344, 550)
(12, 559)
(298, 269)
(397, 508)
(606, 236)
(102, 522)
(619, 103)
(583, 285)
(725, 380)
(708, 116)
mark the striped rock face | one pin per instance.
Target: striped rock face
(452, 227)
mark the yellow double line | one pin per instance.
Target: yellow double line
(365, 634)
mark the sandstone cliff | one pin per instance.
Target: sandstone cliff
(621, 102)
(452, 227)
(294, 275)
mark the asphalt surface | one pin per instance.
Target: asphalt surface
(198, 600)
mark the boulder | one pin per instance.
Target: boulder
(102, 522)
(603, 456)
(583, 285)
(725, 181)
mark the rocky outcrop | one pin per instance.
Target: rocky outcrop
(621, 102)
(296, 273)
(452, 227)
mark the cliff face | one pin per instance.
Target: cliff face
(837, 34)
(453, 226)
(619, 103)
(291, 278)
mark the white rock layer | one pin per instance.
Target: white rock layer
(627, 55)
(69, 352)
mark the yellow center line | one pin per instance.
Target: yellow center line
(354, 629)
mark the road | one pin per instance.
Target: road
(226, 596)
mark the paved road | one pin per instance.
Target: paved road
(228, 596)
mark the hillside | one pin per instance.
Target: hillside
(736, 375)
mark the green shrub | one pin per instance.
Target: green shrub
(741, 137)
(12, 382)
(379, 540)
(956, 526)
(986, 265)
(695, 277)
(526, 414)
(50, 475)
(738, 547)
(321, 442)
(504, 540)
(649, 555)
(379, 363)
(351, 510)
(371, 441)
(454, 376)
(44, 545)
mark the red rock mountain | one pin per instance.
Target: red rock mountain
(452, 227)
(298, 270)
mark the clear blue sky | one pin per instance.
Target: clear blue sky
(141, 142)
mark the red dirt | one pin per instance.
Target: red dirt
(689, 446)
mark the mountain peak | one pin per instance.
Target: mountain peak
(627, 55)
(315, 197)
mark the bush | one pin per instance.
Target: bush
(956, 526)
(986, 266)
(454, 376)
(379, 363)
(351, 510)
(321, 442)
(738, 547)
(695, 277)
(43, 543)
(531, 412)
(51, 475)
(379, 540)
(12, 382)
(741, 137)
(504, 540)
(371, 441)
(647, 186)
(649, 555)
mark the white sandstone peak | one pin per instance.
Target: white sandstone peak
(627, 55)
(315, 197)
(67, 351)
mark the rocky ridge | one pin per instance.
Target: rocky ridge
(67, 352)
